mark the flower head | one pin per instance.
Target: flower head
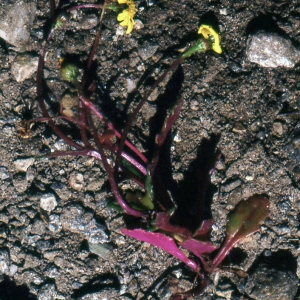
(208, 33)
(126, 16)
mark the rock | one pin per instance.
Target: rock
(22, 164)
(76, 220)
(131, 85)
(54, 224)
(20, 182)
(13, 270)
(76, 181)
(48, 202)
(266, 283)
(238, 128)
(147, 51)
(278, 128)
(47, 292)
(103, 250)
(231, 185)
(24, 66)
(271, 50)
(4, 261)
(4, 174)
(16, 20)
(106, 293)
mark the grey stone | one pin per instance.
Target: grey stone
(103, 250)
(271, 50)
(76, 220)
(20, 182)
(22, 164)
(47, 292)
(4, 174)
(4, 261)
(16, 20)
(24, 66)
(54, 224)
(147, 51)
(48, 202)
(266, 283)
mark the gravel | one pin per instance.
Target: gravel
(58, 236)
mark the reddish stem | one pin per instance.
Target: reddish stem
(140, 105)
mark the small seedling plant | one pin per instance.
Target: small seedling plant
(153, 208)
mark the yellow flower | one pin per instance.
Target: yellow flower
(208, 32)
(126, 16)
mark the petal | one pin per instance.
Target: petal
(130, 26)
(124, 23)
(122, 1)
(122, 16)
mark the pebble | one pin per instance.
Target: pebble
(48, 202)
(16, 21)
(231, 186)
(103, 250)
(76, 181)
(24, 66)
(278, 128)
(238, 128)
(47, 292)
(4, 174)
(20, 182)
(22, 164)
(271, 50)
(75, 219)
(266, 283)
(54, 224)
(147, 51)
(4, 261)
(131, 85)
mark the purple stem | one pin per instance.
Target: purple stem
(87, 103)
(88, 5)
(111, 175)
(140, 105)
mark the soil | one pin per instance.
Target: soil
(230, 104)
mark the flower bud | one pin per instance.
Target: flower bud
(69, 72)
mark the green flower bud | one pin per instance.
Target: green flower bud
(69, 72)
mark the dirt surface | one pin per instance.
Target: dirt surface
(230, 104)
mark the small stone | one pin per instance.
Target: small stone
(278, 128)
(76, 220)
(54, 224)
(131, 85)
(22, 164)
(138, 24)
(147, 51)
(177, 138)
(69, 105)
(16, 21)
(24, 66)
(47, 292)
(4, 174)
(231, 186)
(76, 181)
(103, 250)
(13, 270)
(194, 105)
(271, 50)
(4, 261)
(48, 202)
(20, 182)
(238, 127)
